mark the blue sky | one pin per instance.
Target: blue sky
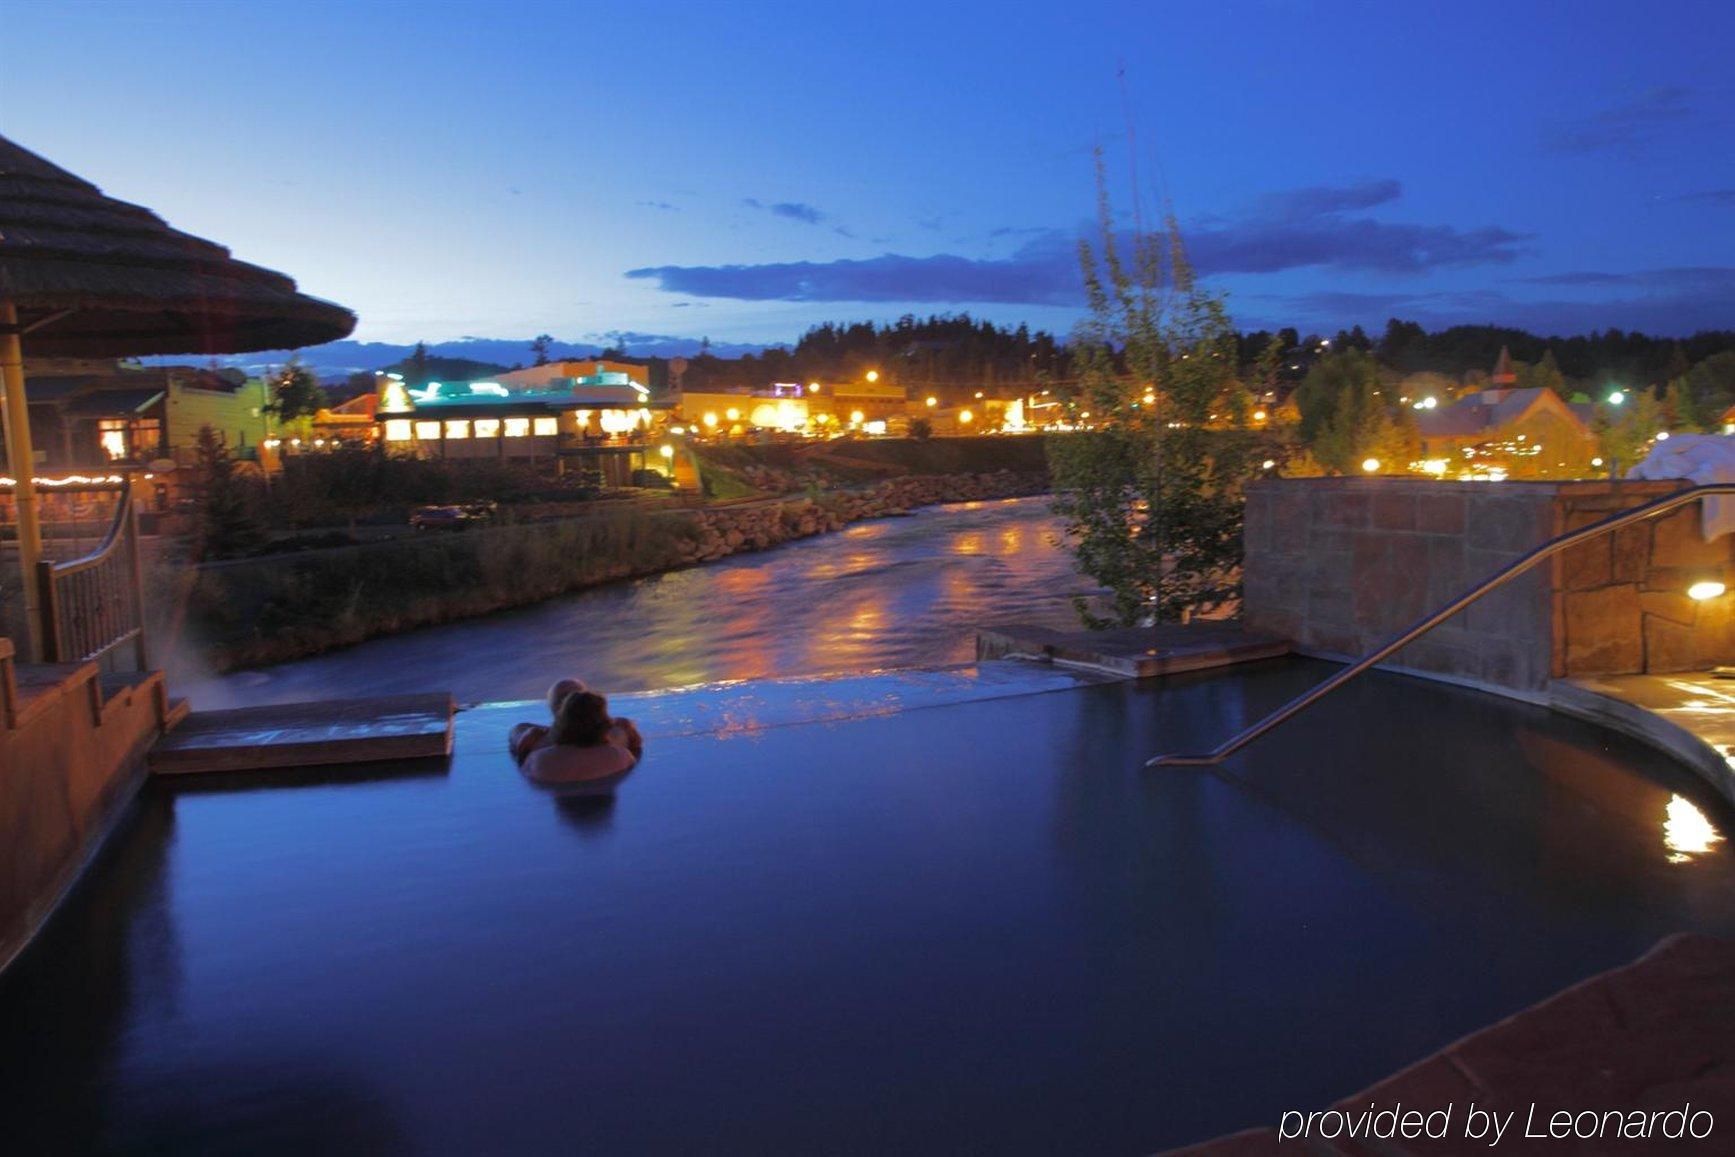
(742, 170)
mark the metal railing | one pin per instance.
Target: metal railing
(1428, 622)
(94, 605)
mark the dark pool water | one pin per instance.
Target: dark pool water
(961, 927)
(892, 592)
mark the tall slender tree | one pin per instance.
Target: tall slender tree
(1151, 494)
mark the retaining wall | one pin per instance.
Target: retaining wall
(1339, 564)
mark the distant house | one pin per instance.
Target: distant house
(1525, 433)
(92, 415)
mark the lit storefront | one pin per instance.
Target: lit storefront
(601, 430)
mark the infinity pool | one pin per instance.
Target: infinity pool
(907, 913)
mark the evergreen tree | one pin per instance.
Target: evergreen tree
(418, 366)
(227, 527)
(539, 347)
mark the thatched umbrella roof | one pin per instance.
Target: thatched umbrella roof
(95, 277)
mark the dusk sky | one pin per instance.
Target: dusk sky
(743, 170)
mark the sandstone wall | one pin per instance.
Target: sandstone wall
(1340, 564)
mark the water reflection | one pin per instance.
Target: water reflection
(897, 592)
(588, 814)
(1687, 833)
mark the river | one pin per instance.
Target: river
(891, 592)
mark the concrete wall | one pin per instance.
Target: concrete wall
(1340, 564)
(69, 763)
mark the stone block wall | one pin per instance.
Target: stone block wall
(1340, 564)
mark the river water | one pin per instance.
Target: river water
(887, 593)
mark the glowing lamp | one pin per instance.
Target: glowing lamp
(666, 451)
(1616, 398)
(1705, 589)
(813, 387)
(732, 414)
(932, 401)
(1267, 464)
(855, 416)
(873, 375)
(965, 417)
(710, 419)
(1258, 415)
(1371, 465)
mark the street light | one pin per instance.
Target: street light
(965, 417)
(932, 401)
(1616, 398)
(873, 375)
(1371, 465)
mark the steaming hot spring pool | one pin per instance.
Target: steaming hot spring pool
(919, 912)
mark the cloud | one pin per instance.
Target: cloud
(1674, 301)
(1624, 127)
(1318, 200)
(1302, 228)
(1679, 279)
(789, 210)
(1034, 276)
(1724, 197)
(664, 205)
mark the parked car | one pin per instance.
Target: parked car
(440, 518)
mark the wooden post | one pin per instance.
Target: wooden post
(22, 459)
(136, 572)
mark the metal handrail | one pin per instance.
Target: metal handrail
(1422, 626)
(89, 605)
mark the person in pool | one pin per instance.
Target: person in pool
(582, 745)
(527, 737)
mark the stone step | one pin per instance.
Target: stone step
(1132, 652)
(292, 735)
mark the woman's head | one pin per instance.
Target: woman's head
(562, 688)
(581, 720)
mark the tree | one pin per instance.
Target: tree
(1152, 497)
(1624, 433)
(295, 392)
(418, 365)
(227, 526)
(539, 348)
(1711, 384)
(1345, 418)
(1545, 374)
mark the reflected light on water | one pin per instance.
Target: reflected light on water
(890, 593)
(1686, 831)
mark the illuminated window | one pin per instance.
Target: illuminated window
(546, 427)
(517, 427)
(398, 430)
(113, 436)
(428, 431)
(487, 427)
(457, 427)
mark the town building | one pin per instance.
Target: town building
(1506, 432)
(88, 415)
(604, 431)
(552, 374)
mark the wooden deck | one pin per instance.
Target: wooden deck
(307, 735)
(1653, 1035)
(1133, 652)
